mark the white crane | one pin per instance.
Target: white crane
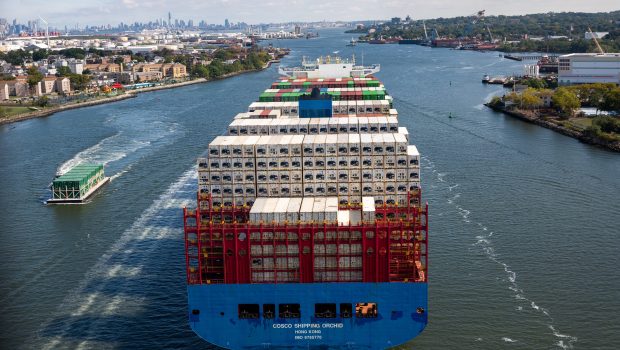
(47, 33)
(598, 46)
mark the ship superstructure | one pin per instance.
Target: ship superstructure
(309, 230)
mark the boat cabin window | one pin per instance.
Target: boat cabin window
(269, 311)
(366, 310)
(289, 311)
(325, 310)
(346, 310)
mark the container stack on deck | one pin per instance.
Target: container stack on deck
(77, 182)
(284, 199)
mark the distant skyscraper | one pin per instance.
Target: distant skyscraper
(169, 19)
(226, 23)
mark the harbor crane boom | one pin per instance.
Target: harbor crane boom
(598, 46)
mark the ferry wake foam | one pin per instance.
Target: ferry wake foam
(309, 229)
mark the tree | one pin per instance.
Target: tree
(611, 101)
(119, 60)
(34, 76)
(63, 71)
(43, 101)
(200, 71)
(530, 99)
(73, 53)
(40, 54)
(565, 101)
(79, 81)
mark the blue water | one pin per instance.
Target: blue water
(523, 226)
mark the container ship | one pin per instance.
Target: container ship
(309, 229)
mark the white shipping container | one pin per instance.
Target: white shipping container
(354, 144)
(306, 209)
(297, 189)
(292, 212)
(331, 145)
(368, 209)
(318, 211)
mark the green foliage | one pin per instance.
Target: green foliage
(496, 101)
(76, 53)
(607, 124)
(79, 81)
(43, 101)
(515, 27)
(565, 101)
(6, 77)
(611, 101)
(534, 83)
(63, 71)
(530, 99)
(40, 54)
(200, 71)
(17, 57)
(138, 58)
(34, 76)
(119, 60)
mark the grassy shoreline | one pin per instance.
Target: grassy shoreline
(47, 111)
(562, 127)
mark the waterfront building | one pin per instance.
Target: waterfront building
(48, 85)
(169, 70)
(63, 85)
(585, 68)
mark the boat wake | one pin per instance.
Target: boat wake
(101, 295)
(132, 139)
(485, 243)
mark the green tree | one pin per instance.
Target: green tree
(34, 76)
(530, 99)
(119, 60)
(40, 54)
(611, 101)
(63, 71)
(565, 101)
(200, 71)
(43, 101)
(17, 57)
(79, 81)
(76, 53)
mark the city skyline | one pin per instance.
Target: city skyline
(96, 13)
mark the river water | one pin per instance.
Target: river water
(523, 225)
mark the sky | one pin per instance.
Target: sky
(99, 12)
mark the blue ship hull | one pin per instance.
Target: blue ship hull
(402, 315)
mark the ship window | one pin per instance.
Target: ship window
(325, 310)
(248, 311)
(269, 311)
(366, 310)
(289, 311)
(346, 310)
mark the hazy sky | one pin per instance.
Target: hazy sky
(95, 12)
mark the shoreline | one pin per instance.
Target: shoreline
(579, 135)
(128, 94)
